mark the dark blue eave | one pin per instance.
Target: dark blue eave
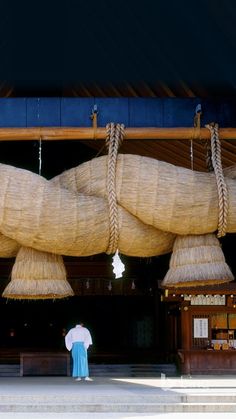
(133, 112)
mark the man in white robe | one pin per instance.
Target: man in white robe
(77, 340)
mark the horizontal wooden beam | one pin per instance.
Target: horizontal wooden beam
(82, 133)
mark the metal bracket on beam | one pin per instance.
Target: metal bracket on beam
(94, 118)
(197, 122)
(198, 109)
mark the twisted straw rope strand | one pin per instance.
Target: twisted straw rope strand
(221, 185)
(115, 135)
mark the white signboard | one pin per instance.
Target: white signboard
(207, 300)
(200, 328)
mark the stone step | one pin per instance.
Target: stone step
(88, 399)
(170, 398)
(9, 370)
(132, 370)
(169, 401)
(119, 407)
(126, 395)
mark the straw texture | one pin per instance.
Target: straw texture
(8, 247)
(168, 197)
(69, 214)
(230, 172)
(37, 275)
(195, 261)
(40, 214)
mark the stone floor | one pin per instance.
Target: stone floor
(65, 398)
(117, 415)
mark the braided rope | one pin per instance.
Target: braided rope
(115, 135)
(221, 185)
(209, 165)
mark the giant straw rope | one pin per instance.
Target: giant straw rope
(135, 204)
(69, 214)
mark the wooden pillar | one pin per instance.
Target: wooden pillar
(185, 328)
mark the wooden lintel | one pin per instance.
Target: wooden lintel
(82, 133)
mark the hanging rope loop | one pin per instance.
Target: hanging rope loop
(115, 136)
(221, 185)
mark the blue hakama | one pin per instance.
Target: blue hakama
(80, 360)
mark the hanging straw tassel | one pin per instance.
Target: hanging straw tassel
(38, 275)
(197, 260)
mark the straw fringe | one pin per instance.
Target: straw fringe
(37, 289)
(198, 274)
(38, 275)
(40, 265)
(195, 241)
(192, 256)
(197, 260)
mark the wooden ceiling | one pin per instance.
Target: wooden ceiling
(174, 152)
(174, 43)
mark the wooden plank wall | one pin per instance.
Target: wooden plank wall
(133, 112)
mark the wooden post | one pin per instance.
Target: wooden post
(185, 327)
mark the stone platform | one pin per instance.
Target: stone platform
(115, 395)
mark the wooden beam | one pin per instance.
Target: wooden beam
(82, 133)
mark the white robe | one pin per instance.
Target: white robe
(78, 334)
